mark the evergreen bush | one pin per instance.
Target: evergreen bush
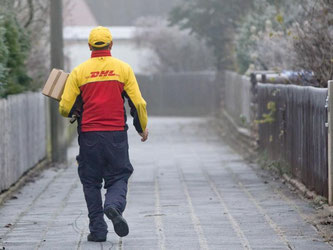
(14, 48)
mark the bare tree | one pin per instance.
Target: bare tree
(314, 40)
(33, 15)
(173, 50)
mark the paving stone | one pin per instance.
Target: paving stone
(189, 191)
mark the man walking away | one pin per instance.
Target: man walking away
(95, 92)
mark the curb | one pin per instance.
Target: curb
(23, 179)
(302, 188)
(311, 195)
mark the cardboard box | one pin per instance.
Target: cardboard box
(55, 84)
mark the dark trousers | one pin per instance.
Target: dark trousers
(103, 156)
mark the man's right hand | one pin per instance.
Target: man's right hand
(144, 135)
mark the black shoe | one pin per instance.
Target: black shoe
(119, 223)
(93, 238)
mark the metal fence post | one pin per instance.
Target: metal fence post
(330, 141)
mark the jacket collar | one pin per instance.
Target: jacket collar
(100, 53)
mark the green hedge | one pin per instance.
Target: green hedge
(14, 48)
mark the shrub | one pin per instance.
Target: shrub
(3, 60)
(265, 37)
(300, 38)
(251, 26)
(14, 47)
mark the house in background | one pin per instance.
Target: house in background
(80, 17)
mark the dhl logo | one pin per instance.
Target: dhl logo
(102, 73)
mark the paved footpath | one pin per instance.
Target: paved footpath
(189, 191)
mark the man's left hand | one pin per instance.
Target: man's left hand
(144, 135)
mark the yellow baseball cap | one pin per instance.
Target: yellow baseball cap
(100, 37)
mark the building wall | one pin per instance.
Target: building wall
(77, 51)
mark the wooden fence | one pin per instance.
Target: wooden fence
(288, 123)
(296, 137)
(237, 98)
(25, 135)
(22, 135)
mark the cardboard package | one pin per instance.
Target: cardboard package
(55, 84)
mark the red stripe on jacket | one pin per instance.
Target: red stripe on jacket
(103, 106)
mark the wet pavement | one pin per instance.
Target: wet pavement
(189, 190)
